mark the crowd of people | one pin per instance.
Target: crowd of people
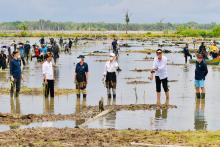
(208, 53)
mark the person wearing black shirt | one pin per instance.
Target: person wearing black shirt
(186, 53)
(201, 72)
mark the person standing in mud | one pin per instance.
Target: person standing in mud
(70, 44)
(186, 53)
(27, 48)
(14, 45)
(115, 46)
(61, 42)
(15, 72)
(43, 52)
(214, 50)
(110, 78)
(48, 75)
(201, 72)
(55, 51)
(81, 76)
(202, 50)
(3, 62)
(42, 41)
(10, 55)
(22, 53)
(161, 76)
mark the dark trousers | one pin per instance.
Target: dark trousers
(23, 61)
(186, 57)
(164, 83)
(16, 84)
(49, 88)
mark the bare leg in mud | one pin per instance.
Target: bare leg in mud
(158, 98)
(167, 98)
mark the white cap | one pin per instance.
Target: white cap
(112, 54)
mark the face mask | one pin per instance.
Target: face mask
(19, 56)
(78, 60)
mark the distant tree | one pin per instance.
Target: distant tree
(127, 20)
(22, 26)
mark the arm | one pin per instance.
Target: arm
(11, 68)
(153, 70)
(44, 73)
(205, 70)
(105, 70)
(87, 73)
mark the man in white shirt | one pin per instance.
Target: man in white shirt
(48, 74)
(160, 71)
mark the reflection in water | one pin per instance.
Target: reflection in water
(15, 105)
(199, 116)
(15, 109)
(56, 75)
(161, 114)
(80, 108)
(48, 105)
(111, 101)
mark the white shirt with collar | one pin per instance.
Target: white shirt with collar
(161, 66)
(110, 67)
(47, 70)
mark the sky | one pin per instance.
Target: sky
(111, 11)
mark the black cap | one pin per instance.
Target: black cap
(15, 52)
(159, 51)
(81, 56)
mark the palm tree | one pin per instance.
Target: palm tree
(127, 20)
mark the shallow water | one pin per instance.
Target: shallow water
(182, 92)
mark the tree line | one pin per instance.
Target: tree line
(101, 26)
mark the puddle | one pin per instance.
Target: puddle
(152, 120)
(50, 124)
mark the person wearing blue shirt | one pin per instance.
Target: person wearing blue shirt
(43, 52)
(21, 49)
(81, 76)
(15, 72)
(43, 49)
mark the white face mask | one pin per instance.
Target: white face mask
(19, 56)
(78, 60)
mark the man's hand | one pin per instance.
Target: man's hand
(151, 77)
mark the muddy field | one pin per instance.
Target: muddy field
(107, 137)
(33, 120)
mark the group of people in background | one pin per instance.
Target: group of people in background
(50, 52)
(210, 52)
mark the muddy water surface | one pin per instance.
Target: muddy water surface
(190, 113)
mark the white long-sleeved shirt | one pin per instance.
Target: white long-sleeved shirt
(110, 67)
(47, 70)
(161, 66)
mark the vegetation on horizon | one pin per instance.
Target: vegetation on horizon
(26, 28)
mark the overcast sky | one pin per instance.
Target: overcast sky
(142, 11)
